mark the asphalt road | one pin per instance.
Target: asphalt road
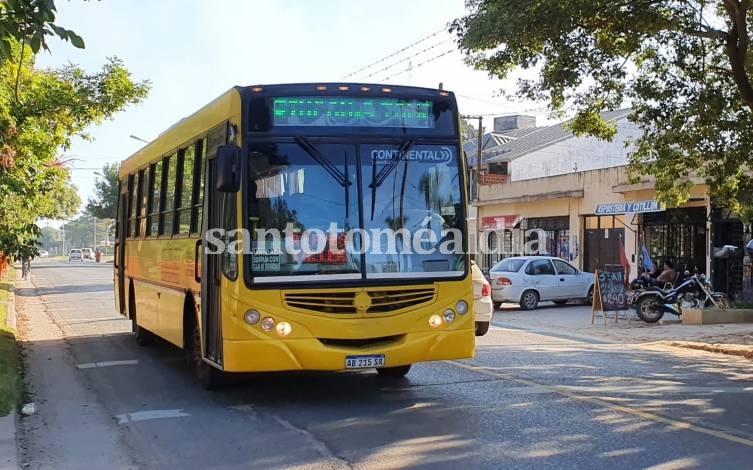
(527, 400)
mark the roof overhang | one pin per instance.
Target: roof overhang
(531, 198)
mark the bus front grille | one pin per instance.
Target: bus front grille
(360, 343)
(380, 300)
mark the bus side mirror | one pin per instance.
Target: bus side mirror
(228, 169)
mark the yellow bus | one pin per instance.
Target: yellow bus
(301, 227)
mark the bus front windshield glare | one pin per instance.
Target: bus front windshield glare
(354, 211)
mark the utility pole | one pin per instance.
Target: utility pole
(95, 233)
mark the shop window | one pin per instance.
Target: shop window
(498, 168)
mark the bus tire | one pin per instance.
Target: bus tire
(209, 377)
(395, 372)
(143, 337)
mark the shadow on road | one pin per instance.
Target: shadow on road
(64, 289)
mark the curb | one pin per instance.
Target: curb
(8, 445)
(719, 348)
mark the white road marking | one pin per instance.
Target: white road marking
(150, 414)
(93, 365)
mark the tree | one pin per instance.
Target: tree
(40, 112)
(105, 202)
(30, 22)
(685, 67)
(467, 130)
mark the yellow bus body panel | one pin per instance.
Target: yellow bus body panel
(410, 339)
(161, 270)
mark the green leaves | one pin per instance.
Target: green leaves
(31, 22)
(677, 64)
(105, 202)
(52, 107)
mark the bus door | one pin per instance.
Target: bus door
(120, 237)
(211, 270)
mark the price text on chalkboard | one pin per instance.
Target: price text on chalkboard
(611, 281)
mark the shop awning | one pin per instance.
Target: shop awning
(650, 205)
(500, 222)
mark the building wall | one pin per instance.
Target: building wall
(577, 195)
(576, 154)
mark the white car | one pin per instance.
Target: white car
(87, 253)
(75, 254)
(44, 254)
(528, 280)
(483, 307)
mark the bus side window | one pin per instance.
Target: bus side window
(153, 201)
(228, 218)
(140, 201)
(168, 195)
(197, 198)
(184, 190)
(132, 200)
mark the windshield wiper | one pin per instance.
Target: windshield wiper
(339, 176)
(378, 178)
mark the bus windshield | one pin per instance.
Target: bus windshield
(323, 210)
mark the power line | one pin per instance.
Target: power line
(405, 59)
(418, 65)
(393, 54)
(480, 100)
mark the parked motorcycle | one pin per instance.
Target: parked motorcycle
(693, 291)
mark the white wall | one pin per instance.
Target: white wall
(575, 154)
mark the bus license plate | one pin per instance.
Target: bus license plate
(364, 362)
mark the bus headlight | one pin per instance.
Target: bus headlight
(268, 324)
(283, 329)
(461, 307)
(252, 317)
(435, 321)
(449, 315)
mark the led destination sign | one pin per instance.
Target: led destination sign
(318, 111)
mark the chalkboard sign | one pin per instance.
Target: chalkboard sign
(609, 289)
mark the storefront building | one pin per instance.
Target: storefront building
(574, 197)
(588, 217)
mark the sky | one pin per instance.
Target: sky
(192, 51)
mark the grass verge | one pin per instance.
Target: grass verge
(10, 383)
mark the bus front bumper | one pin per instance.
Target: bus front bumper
(313, 354)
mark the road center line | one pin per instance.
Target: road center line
(673, 423)
(93, 365)
(137, 416)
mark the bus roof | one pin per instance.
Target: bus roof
(229, 104)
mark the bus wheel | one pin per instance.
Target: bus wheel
(393, 372)
(143, 337)
(209, 377)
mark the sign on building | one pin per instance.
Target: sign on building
(650, 205)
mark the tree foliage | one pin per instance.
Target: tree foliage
(467, 130)
(685, 68)
(31, 22)
(40, 112)
(104, 205)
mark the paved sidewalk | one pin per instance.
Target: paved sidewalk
(575, 320)
(8, 454)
